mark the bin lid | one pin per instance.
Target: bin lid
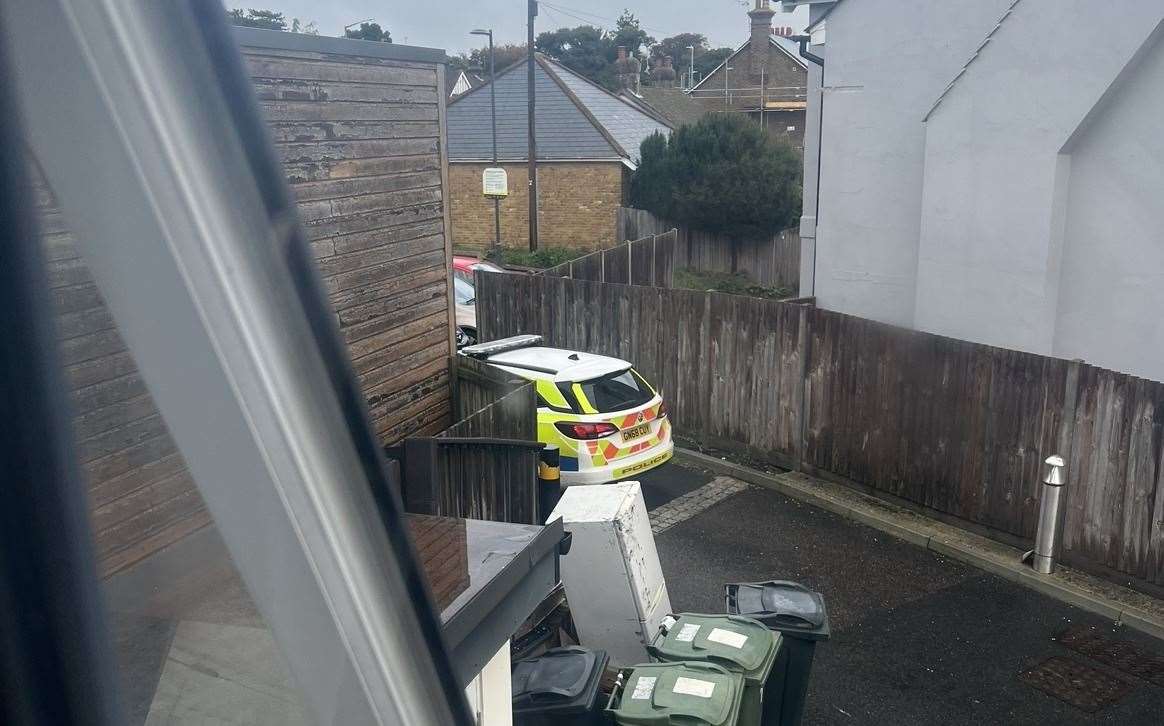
(782, 605)
(561, 679)
(691, 693)
(738, 643)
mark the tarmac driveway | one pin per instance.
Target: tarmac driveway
(917, 639)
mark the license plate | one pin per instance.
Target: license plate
(635, 432)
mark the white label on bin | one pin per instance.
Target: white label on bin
(644, 687)
(728, 637)
(687, 633)
(693, 687)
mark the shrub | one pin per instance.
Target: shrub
(723, 174)
(733, 284)
(543, 258)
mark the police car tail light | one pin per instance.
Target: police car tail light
(586, 430)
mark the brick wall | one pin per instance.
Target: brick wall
(577, 205)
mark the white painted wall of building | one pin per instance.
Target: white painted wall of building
(1111, 296)
(887, 61)
(992, 230)
(1024, 212)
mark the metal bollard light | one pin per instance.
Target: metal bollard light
(1042, 557)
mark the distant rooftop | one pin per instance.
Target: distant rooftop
(576, 119)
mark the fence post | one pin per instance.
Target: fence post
(804, 345)
(654, 260)
(705, 398)
(630, 265)
(419, 477)
(1065, 446)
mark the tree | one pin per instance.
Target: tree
(369, 31)
(723, 174)
(586, 50)
(709, 61)
(676, 47)
(268, 19)
(477, 60)
(307, 28)
(630, 35)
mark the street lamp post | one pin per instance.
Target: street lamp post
(493, 123)
(691, 74)
(726, 96)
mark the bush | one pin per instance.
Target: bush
(543, 258)
(723, 174)
(732, 284)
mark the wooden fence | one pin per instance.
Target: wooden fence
(646, 261)
(484, 466)
(957, 427)
(774, 261)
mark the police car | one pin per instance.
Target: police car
(606, 420)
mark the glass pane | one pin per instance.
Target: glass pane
(616, 392)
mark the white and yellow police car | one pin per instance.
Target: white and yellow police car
(606, 420)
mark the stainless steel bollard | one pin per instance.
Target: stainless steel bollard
(1042, 557)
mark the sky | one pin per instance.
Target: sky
(446, 24)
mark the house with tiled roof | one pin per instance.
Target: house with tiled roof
(765, 78)
(587, 146)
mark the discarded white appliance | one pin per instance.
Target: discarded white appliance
(612, 575)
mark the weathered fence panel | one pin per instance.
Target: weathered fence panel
(616, 264)
(476, 385)
(772, 261)
(646, 261)
(484, 466)
(665, 255)
(588, 267)
(642, 261)
(957, 427)
(1117, 519)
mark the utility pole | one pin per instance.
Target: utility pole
(533, 143)
(493, 123)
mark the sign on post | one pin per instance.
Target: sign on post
(495, 183)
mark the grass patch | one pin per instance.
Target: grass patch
(732, 284)
(541, 259)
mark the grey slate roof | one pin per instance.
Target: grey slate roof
(628, 125)
(595, 127)
(674, 103)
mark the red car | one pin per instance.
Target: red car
(463, 267)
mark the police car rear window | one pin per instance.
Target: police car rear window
(616, 391)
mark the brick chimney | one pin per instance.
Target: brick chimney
(663, 74)
(761, 18)
(627, 70)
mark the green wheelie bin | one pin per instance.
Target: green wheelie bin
(741, 645)
(698, 694)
